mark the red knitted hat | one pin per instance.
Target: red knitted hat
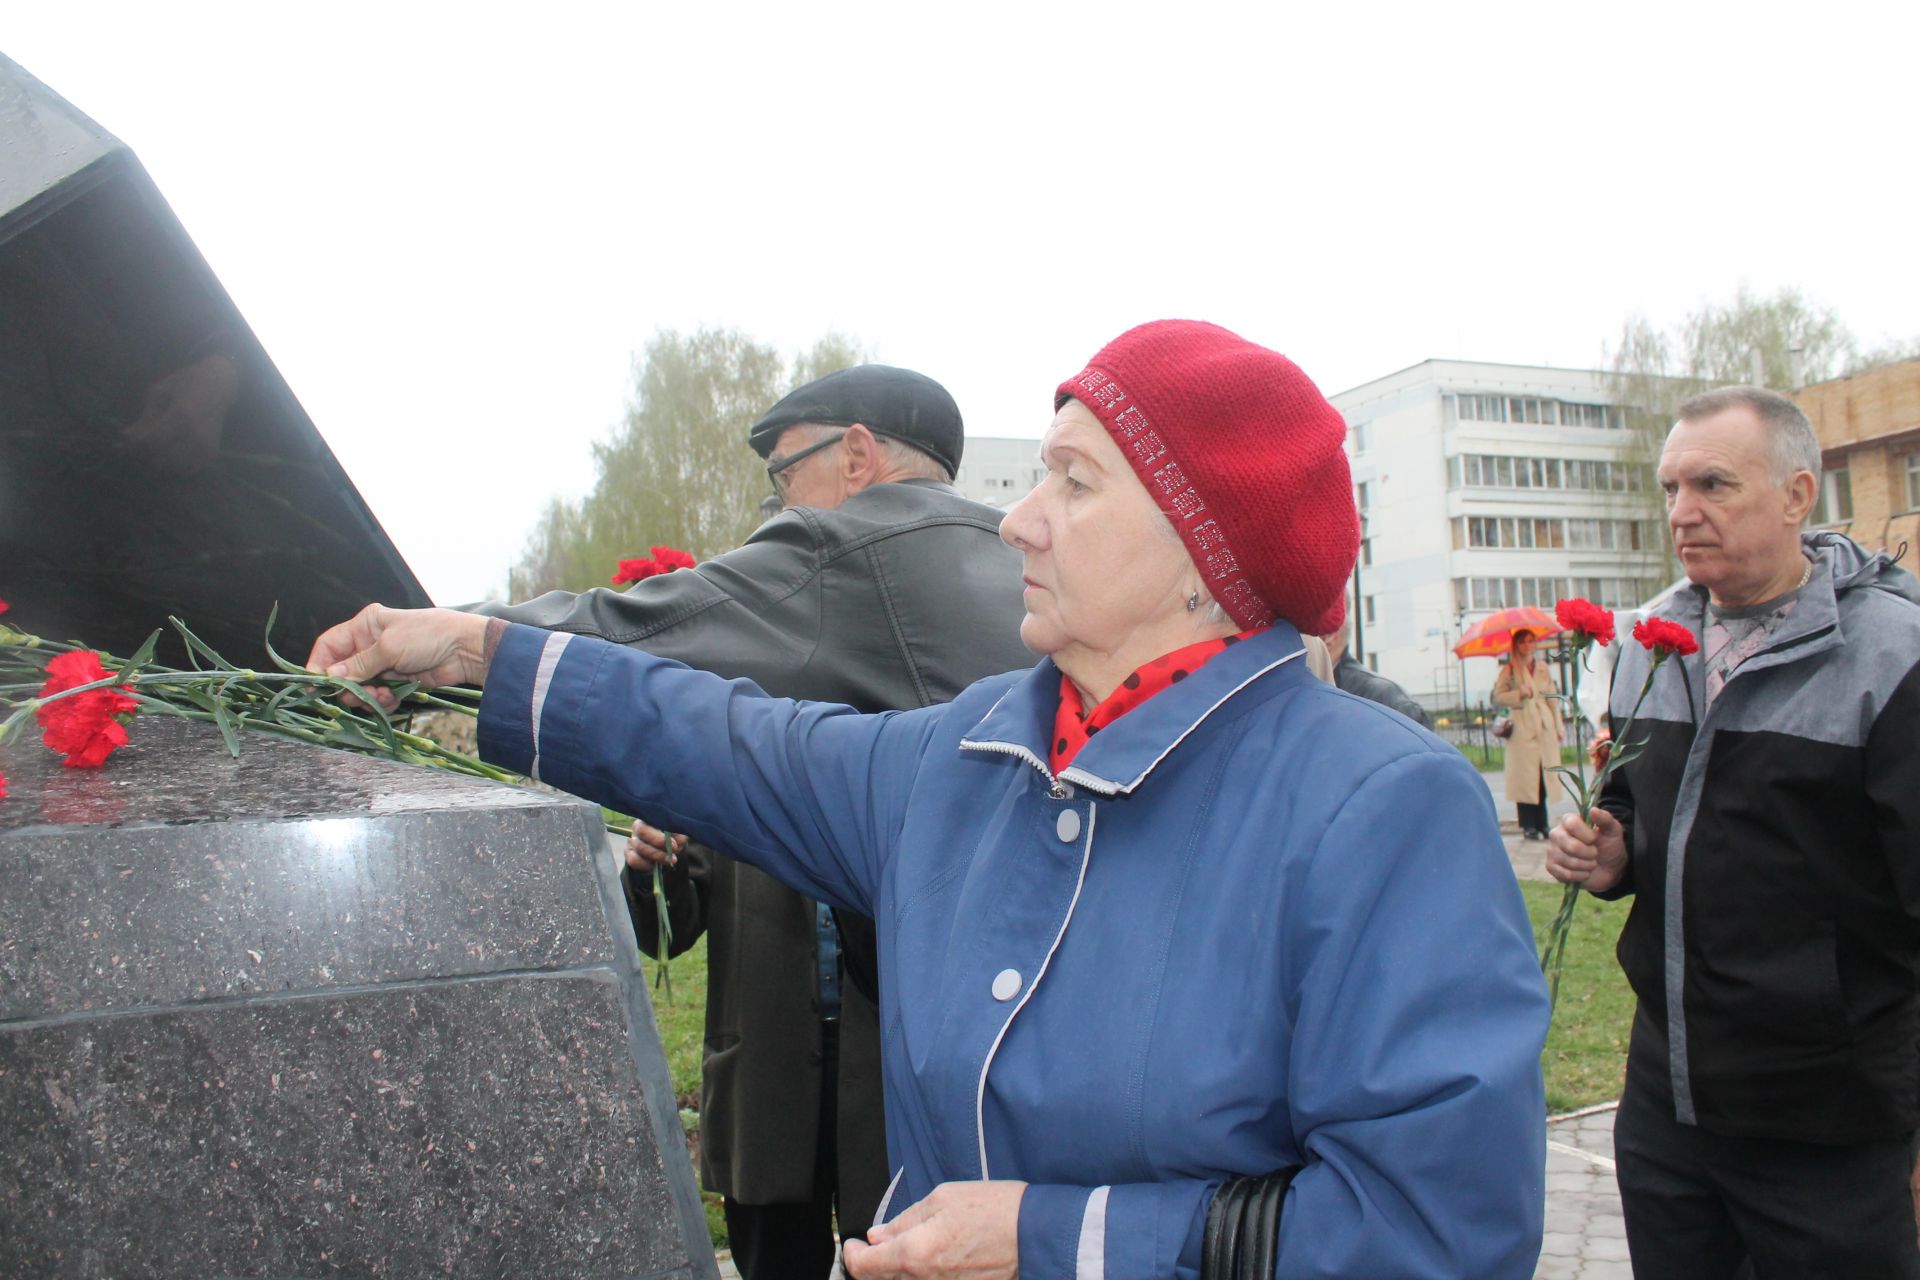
(1243, 454)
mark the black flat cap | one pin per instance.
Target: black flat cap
(891, 402)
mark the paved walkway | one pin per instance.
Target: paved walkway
(1586, 1238)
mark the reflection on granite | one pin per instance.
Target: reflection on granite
(384, 887)
(489, 1127)
(180, 771)
(167, 915)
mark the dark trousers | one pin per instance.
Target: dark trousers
(1533, 817)
(795, 1241)
(1703, 1206)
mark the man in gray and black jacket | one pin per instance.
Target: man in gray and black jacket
(877, 586)
(1769, 833)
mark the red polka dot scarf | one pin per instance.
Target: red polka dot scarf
(1072, 726)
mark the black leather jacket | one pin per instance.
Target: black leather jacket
(900, 597)
(1356, 679)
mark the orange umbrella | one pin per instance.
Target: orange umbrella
(1492, 636)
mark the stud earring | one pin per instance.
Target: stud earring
(1193, 602)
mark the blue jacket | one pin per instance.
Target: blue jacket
(1258, 922)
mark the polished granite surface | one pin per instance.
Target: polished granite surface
(480, 1127)
(304, 1013)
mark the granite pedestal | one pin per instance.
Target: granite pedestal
(303, 1013)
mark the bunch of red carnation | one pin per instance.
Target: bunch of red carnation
(1587, 620)
(1664, 638)
(87, 727)
(663, 560)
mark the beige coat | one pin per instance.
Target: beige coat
(1535, 744)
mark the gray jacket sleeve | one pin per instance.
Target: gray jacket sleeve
(753, 613)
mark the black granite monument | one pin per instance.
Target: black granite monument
(299, 1013)
(152, 459)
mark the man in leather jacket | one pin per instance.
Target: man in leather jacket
(877, 586)
(1349, 675)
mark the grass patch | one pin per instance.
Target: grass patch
(682, 1019)
(1494, 759)
(1585, 1060)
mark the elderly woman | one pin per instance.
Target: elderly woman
(1160, 913)
(1525, 687)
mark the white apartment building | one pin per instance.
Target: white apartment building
(999, 470)
(1482, 486)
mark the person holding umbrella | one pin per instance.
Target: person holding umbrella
(1525, 687)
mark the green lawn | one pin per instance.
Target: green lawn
(1586, 1055)
(682, 1019)
(1494, 758)
(1584, 1061)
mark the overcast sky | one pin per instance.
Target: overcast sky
(452, 226)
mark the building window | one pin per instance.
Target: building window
(1913, 482)
(1359, 437)
(1487, 594)
(1369, 600)
(1836, 498)
(1533, 533)
(1535, 409)
(1360, 499)
(1599, 476)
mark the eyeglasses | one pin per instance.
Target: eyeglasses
(777, 467)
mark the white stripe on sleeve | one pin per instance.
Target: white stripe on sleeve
(1090, 1262)
(542, 677)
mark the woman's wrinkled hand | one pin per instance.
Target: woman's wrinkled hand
(433, 646)
(962, 1231)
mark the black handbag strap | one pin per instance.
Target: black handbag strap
(1241, 1239)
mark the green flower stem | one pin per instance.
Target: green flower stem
(1553, 954)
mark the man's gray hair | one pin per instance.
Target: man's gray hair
(900, 456)
(912, 460)
(1791, 443)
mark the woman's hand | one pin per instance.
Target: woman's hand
(433, 646)
(964, 1230)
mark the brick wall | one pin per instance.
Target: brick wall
(1870, 423)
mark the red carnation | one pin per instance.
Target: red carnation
(671, 558)
(634, 570)
(1664, 638)
(664, 560)
(88, 727)
(3, 786)
(3, 606)
(1585, 618)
